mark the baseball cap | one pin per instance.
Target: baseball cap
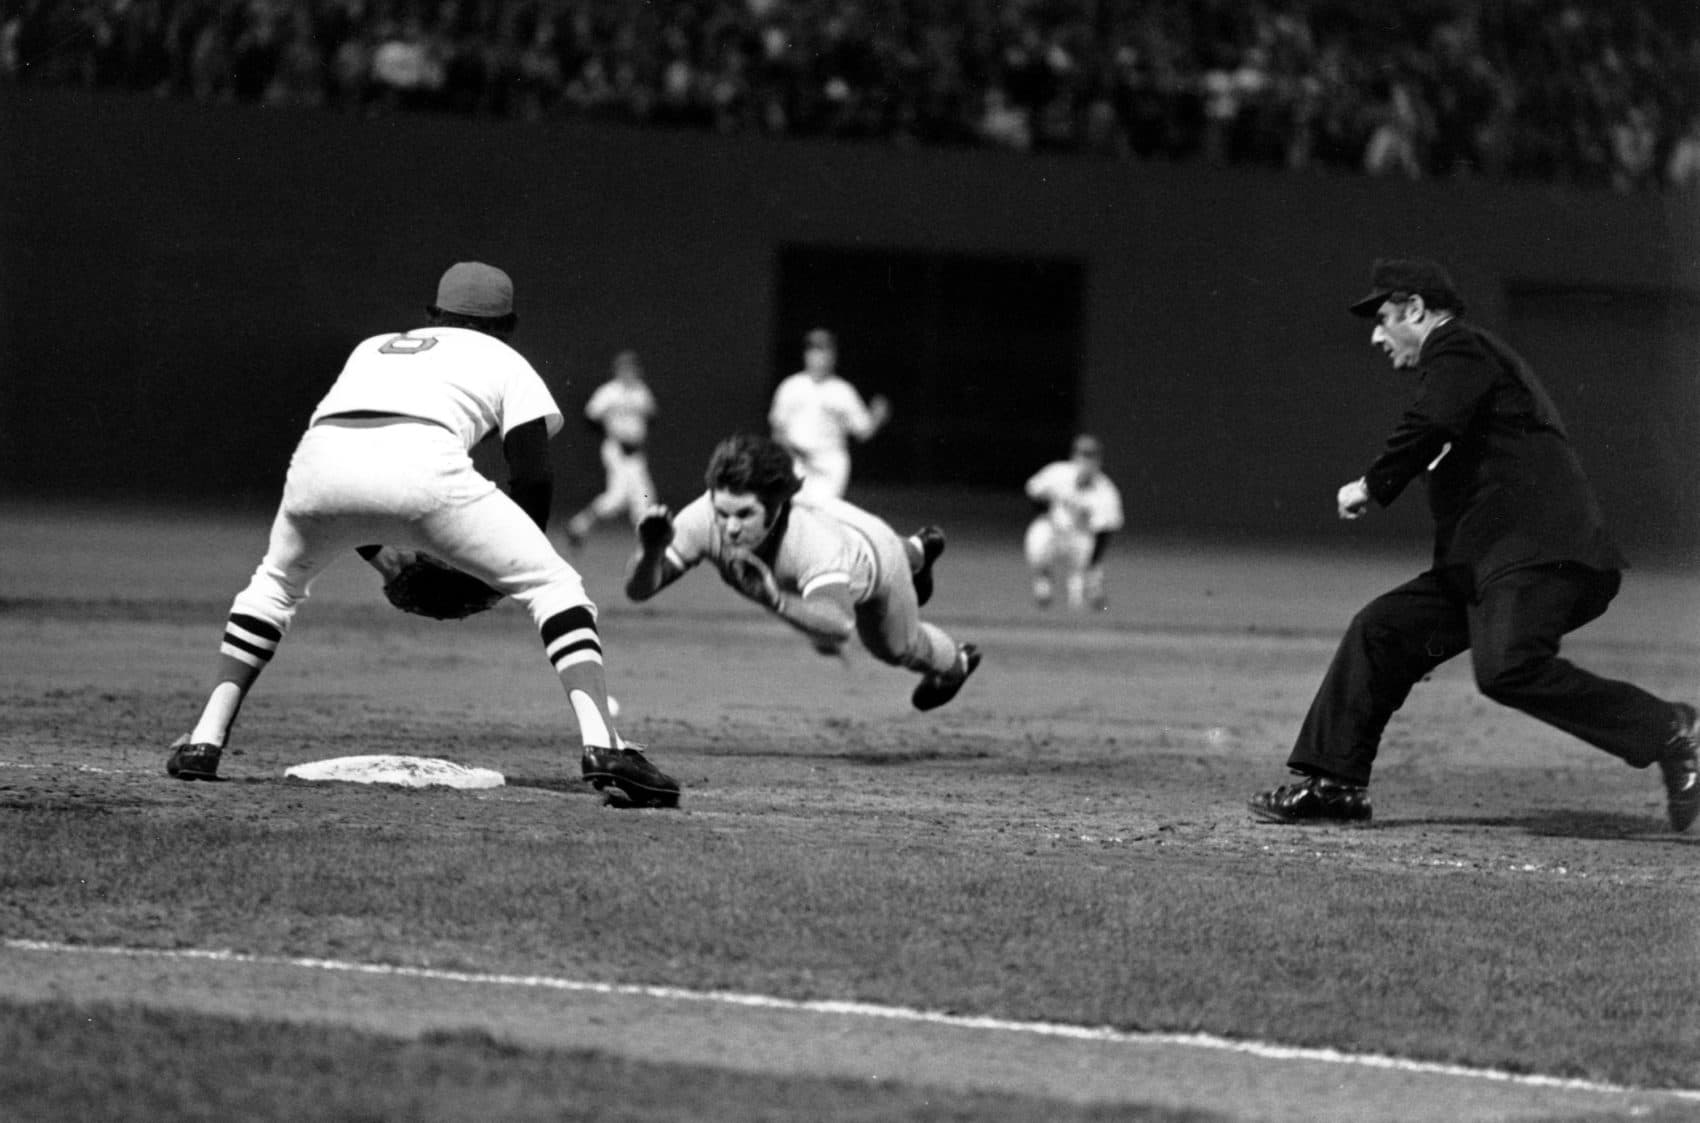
(472, 288)
(1392, 275)
(820, 337)
(1088, 446)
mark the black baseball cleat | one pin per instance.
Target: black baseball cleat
(1314, 800)
(935, 690)
(932, 545)
(1680, 762)
(626, 777)
(193, 762)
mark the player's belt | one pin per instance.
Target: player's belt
(371, 418)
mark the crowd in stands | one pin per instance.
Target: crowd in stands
(1593, 92)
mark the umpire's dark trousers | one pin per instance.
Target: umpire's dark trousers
(1512, 630)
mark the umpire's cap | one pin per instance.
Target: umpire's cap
(1407, 277)
(471, 288)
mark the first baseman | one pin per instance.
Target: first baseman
(1521, 558)
(386, 458)
(816, 412)
(824, 566)
(1080, 510)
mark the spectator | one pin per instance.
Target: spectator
(406, 71)
(210, 65)
(1398, 139)
(1003, 123)
(541, 83)
(1634, 149)
(254, 55)
(10, 29)
(1584, 91)
(1682, 169)
(350, 74)
(299, 79)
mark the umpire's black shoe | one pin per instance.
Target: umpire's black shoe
(1314, 800)
(935, 690)
(932, 545)
(193, 762)
(1680, 763)
(626, 777)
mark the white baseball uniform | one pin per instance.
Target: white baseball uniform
(405, 476)
(623, 408)
(1058, 544)
(815, 418)
(825, 542)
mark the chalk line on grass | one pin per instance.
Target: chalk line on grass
(1101, 1034)
(60, 766)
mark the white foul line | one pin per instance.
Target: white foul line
(1261, 1049)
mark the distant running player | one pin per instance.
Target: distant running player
(827, 568)
(814, 414)
(1080, 511)
(622, 407)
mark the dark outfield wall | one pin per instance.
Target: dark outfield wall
(180, 283)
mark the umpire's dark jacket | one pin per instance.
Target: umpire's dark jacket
(1510, 492)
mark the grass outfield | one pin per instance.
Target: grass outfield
(1065, 843)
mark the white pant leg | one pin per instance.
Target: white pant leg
(495, 541)
(1060, 553)
(1038, 543)
(608, 501)
(347, 486)
(402, 484)
(889, 621)
(629, 488)
(295, 555)
(825, 473)
(637, 487)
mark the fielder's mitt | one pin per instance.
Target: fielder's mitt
(426, 586)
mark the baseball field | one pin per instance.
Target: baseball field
(1045, 901)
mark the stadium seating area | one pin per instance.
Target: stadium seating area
(1598, 93)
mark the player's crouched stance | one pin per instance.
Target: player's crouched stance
(386, 458)
(824, 566)
(1080, 509)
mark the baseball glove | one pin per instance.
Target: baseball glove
(426, 586)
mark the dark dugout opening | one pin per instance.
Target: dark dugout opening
(980, 356)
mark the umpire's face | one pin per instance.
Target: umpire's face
(744, 520)
(1399, 330)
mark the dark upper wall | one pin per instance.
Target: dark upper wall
(179, 283)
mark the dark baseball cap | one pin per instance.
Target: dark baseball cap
(471, 288)
(820, 337)
(1406, 276)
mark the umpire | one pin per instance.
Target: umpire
(1521, 557)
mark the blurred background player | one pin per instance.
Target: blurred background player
(387, 458)
(827, 568)
(622, 407)
(814, 414)
(1080, 511)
